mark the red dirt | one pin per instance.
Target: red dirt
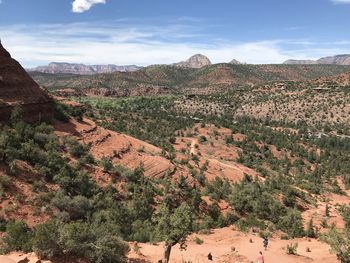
(122, 149)
(222, 242)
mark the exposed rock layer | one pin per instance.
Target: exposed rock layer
(196, 61)
(18, 88)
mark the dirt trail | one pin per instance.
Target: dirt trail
(222, 241)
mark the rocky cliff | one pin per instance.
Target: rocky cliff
(196, 61)
(18, 88)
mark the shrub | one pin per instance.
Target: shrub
(310, 231)
(202, 139)
(94, 243)
(198, 241)
(17, 238)
(106, 164)
(292, 224)
(46, 240)
(59, 112)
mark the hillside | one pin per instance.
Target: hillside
(163, 79)
(129, 179)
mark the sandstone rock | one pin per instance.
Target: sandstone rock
(17, 87)
(196, 61)
(4, 259)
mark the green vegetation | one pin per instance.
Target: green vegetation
(340, 241)
(299, 159)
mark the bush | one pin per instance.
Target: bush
(59, 112)
(106, 164)
(5, 181)
(310, 231)
(202, 139)
(77, 207)
(46, 240)
(198, 241)
(17, 238)
(292, 224)
(94, 243)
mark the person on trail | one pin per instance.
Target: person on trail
(265, 242)
(210, 257)
(261, 258)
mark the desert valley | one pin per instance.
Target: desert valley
(183, 162)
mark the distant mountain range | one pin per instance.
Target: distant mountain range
(333, 60)
(195, 62)
(81, 69)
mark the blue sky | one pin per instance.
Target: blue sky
(147, 32)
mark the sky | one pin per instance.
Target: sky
(145, 32)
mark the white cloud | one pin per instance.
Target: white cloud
(80, 6)
(92, 43)
(341, 1)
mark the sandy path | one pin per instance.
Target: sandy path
(220, 244)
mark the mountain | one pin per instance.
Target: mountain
(81, 69)
(332, 60)
(337, 60)
(196, 61)
(300, 62)
(165, 79)
(17, 87)
(236, 62)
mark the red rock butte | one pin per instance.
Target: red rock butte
(18, 88)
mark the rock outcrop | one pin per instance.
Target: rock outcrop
(196, 61)
(18, 88)
(235, 62)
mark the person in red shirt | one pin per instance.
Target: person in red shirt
(261, 258)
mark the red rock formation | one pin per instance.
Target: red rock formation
(18, 88)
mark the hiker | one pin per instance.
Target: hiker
(265, 242)
(210, 257)
(261, 258)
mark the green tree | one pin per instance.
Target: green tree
(310, 231)
(174, 226)
(292, 224)
(340, 242)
